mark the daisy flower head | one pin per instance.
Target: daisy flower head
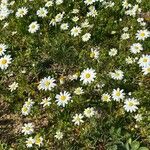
(75, 31)
(130, 105)
(5, 61)
(64, 26)
(94, 53)
(29, 142)
(58, 2)
(38, 140)
(88, 75)
(42, 12)
(3, 48)
(113, 52)
(106, 97)
(86, 37)
(117, 75)
(125, 36)
(138, 117)
(28, 128)
(58, 135)
(142, 34)
(59, 17)
(25, 110)
(47, 84)
(33, 27)
(46, 102)
(118, 95)
(78, 91)
(21, 12)
(29, 102)
(77, 119)
(89, 112)
(63, 98)
(75, 18)
(49, 3)
(146, 70)
(89, 2)
(136, 48)
(13, 86)
(144, 61)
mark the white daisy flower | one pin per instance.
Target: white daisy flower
(59, 17)
(94, 53)
(63, 98)
(118, 95)
(125, 29)
(138, 117)
(89, 2)
(144, 61)
(75, 18)
(86, 37)
(136, 48)
(78, 91)
(13, 86)
(75, 11)
(3, 48)
(89, 112)
(42, 12)
(33, 27)
(25, 110)
(38, 140)
(21, 12)
(113, 52)
(46, 102)
(142, 34)
(130, 105)
(47, 84)
(58, 2)
(117, 75)
(29, 103)
(49, 3)
(75, 31)
(129, 60)
(88, 75)
(5, 61)
(146, 70)
(125, 36)
(28, 128)
(64, 26)
(106, 97)
(77, 119)
(29, 142)
(85, 24)
(58, 135)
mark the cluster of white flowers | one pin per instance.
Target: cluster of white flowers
(5, 60)
(27, 107)
(78, 118)
(37, 140)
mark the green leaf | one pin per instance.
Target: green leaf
(135, 145)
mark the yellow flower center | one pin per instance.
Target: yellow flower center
(130, 104)
(33, 26)
(87, 75)
(105, 98)
(142, 34)
(117, 93)
(92, 55)
(47, 83)
(63, 97)
(145, 60)
(4, 61)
